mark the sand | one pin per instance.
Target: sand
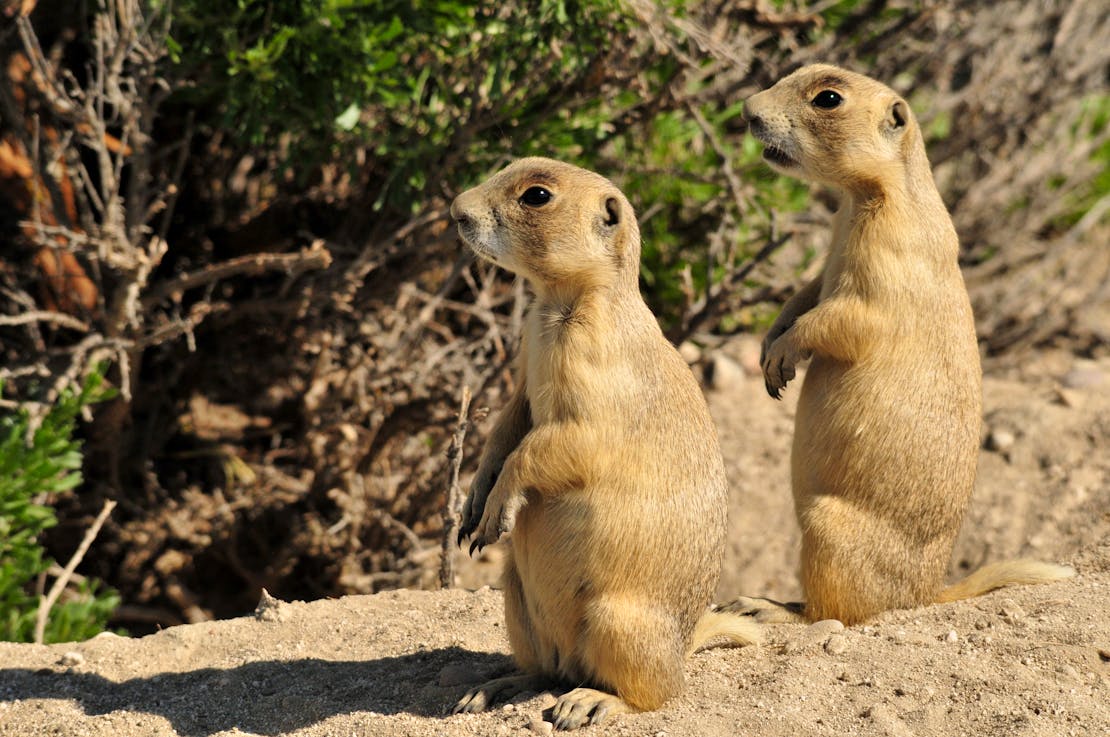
(1029, 660)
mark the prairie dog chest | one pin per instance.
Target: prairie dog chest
(838, 267)
(572, 369)
(869, 261)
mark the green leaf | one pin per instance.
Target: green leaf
(50, 465)
(348, 119)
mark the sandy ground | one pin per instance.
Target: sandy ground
(1023, 661)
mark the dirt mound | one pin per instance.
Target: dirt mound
(1025, 661)
(1022, 661)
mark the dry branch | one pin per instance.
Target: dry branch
(314, 257)
(453, 503)
(60, 318)
(47, 602)
(712, 303)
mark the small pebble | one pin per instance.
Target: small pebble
(271, 609)
(689, 352)
(825, 627)
(951, 636)
(1085, 375)
(547, 700)
(1104, 654)
(1011, 612)
(748, 354)
(723, 373)
(836, 645)
(1068, 671)
(813, 635)
(1000, 440)
(1069, 397)
(539, 726)
(71, 659)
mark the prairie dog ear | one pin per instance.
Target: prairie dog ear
(897, 115)
(612, 214)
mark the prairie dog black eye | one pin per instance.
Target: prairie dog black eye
(827, 99)
(535, 197)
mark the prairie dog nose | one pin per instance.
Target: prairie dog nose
(756, 126)
(751, 115)
(458, 214)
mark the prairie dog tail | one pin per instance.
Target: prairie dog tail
(1004, 573)
(733, 629)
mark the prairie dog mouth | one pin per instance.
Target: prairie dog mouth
(484, 245)
(775, 155)
(473, 243)
(465, 228)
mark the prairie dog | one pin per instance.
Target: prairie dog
(605, 465)
(886, 433)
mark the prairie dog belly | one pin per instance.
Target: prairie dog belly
(907, 455)
(662, 540)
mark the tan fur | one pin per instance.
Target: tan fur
(1004, 573)
(887, 427)
(605, 464)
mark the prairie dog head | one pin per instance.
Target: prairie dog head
(555, 224)
(835, 127)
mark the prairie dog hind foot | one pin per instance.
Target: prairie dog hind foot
(766, 611)
(481, 697)
(584, 706)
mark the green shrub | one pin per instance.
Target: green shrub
(460, 87)
(30, 475)
(1093, 125)
(411, 82)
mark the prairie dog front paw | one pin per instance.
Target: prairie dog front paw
(779, 362)
(499, 515)
(475, 504)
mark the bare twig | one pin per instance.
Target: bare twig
(10, 404)
(53, 235)
(734, 186)
(183, 326)
(715, 295)
(378, 253)
(452, 506)
(47, 602)
(173, 189)
(186, 601)
(60, 318)
(316, 257)
(33, 369)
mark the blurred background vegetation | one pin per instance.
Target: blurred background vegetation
(241, 210)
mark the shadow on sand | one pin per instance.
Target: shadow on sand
(266, 697)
